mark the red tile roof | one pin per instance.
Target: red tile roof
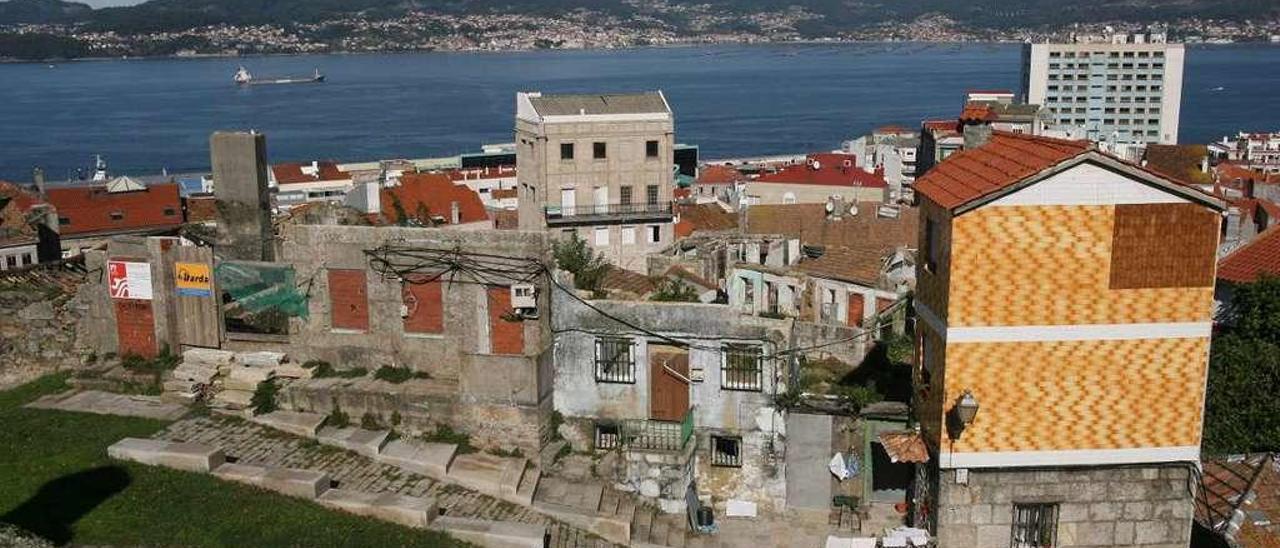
(809, 223)
(1250, 484)
(202, 209)
(21, 198)
(435, 193)
(1258, 257)
(717, 175)
(681, 193)
(905, 446)
(978, 112)
(703, 217)
(1005, 160)
(834, 169)
(892, 129)
(502, 193)
(85, 209)
(292, 173)
(941, 125)
(861, 264)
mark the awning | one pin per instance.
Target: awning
(905, 446)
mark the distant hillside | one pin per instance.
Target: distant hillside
(835, 15)
(42, 11)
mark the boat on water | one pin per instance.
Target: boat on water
(245, 78)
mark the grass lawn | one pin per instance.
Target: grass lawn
(56, 481)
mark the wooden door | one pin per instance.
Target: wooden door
(668, 383)
(196, 297)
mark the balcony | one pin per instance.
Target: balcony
(650, 435)
(607, 213)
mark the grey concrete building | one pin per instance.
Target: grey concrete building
(684, 391)
(599, 166)
(1120, 89)
(240, 183)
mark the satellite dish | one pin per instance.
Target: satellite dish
(816, 165)
(853, 209)
(831, 206)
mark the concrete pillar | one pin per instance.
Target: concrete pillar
(240, 185)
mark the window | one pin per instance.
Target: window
(651, 194)
(64, 220)
(1034, 525)
(348, 300)
(655, 234)
(423, 300)
(11, 261)
(615, 360)
(28, 259)
(741, 368)
(726, 451)
(117, 215)
(932, 251)
(602, 236)
(624, 195)
(169, 212)
(598, 151)
(608, 436)
(566, 151)
(651, 149)
(628, 235)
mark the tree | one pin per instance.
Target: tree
(588, 268)
(674, 290)
(1242, 413)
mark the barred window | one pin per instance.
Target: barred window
(608, 436)
(615, 360)
(741, 368)
(1034, 525)
(726, 451)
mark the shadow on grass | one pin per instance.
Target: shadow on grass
(60, 503)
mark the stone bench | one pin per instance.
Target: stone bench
(428, 459)
(493, 534)
(357, 440)
(404, 510)
(292, 422)
(307, 484)
(192, 457)
(489, 474)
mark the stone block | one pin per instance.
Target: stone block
(239, 385)
(1104, 511)
(419, 457)
(178, 386)
(1152, 532)
(203, 375)
(1136, 511)
(182, 456)
(1171, 509)
(1124, 533)
(488, 474)
(992, 535)
(980, 514)
(1094, 534)
(959, 535)
(1128, 490)
(293, 422)
(1071, 512)
(493, 534)
(401, 509)
(358, 440)
(261, 359)
(235, 399)
(250, 375)
(208, 356)
(293, 371)
(289, 481)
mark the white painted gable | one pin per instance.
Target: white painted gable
(1088, 184)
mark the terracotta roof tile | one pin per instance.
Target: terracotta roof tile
(1005, 160)
(202, 209)
(625, 281)
(905, 446)
(503, 193)
(857, 243)
(717, 175)
(89, 209)
(293, 173)
(435, 193)
(1258, 257)
(1179, 162)
(697, 217)
(834, 169)
(978, 112)
(851, 264)
(1224, 488)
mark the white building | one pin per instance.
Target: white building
(1127, 89)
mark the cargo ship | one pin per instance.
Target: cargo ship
(244, 78)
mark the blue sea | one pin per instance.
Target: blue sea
(145, 115)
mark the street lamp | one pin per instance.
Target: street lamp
(966, 408)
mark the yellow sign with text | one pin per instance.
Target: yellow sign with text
(193, 279)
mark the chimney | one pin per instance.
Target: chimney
(976, 135)
(455, 213)
(37, 177)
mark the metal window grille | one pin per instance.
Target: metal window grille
(742, 368)
(624, 195)
(608, 436)
(726, 451)
(1034, 525)
(615, 360)
(651, 194)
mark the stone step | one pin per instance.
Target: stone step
(292, 371)
(293, 422)
(493, 534)
(489, 474)
(234, 399)
(208, 356)
(192, 457)
(405, 510)
(547, 456)
(181, 398)
(528, 485)
(419, 457)
(261, 359)
(250, 375)
(626, 508)
(181, 387)
(361, 441)
(186, 372)
(294, 482)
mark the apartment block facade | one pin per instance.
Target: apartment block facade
(1064, 299)
(599, 166)
(1125, 90)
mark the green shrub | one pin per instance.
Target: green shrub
(675, 290)
(395, 418)
(369, 421)
(325, 370)
(312, 364)
(514, 453)
(588, 267)
(397, 375)
(264, 397)
(337, 418)
(444, 434)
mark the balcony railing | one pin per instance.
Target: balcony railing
(649, 435)
(604, 212)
